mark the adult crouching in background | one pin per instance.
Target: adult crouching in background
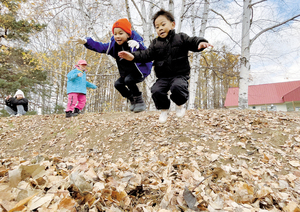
(16, 105)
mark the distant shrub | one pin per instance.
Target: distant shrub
(31, 113)
(59, 109)
(4, 113)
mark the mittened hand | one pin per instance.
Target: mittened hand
(133, 44)
(79, 40)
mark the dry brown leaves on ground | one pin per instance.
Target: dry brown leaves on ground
(210, 160)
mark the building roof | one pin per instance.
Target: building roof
(273, 93)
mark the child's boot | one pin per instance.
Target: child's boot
(163, 116)
(76, 112)
(69, 114)
(132, 103)
(139, 104)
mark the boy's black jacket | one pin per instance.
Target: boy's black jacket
(170, 54)
(13, 102)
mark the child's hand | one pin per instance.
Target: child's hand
(126, 55)
(80, 74)
(204, 45)
(79, 40)
(8, 96)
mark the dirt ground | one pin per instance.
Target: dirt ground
(117, 134)
(208, 139)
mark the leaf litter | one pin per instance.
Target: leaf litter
(209, 160)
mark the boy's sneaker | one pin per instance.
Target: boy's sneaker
(76, 112)
(69, 114)
(163, 116)
(180, 111)
(19, 114)
(13, 115)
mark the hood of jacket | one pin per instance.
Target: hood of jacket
(19, 92)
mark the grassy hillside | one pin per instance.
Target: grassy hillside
(130, 162)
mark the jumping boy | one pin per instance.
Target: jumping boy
(169, 51)
(124, 39)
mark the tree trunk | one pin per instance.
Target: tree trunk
(196, 59)
(181, 16)
(245, 56)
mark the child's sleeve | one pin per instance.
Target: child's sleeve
(72, 75)
(8, 102)
(90, 85)
(96, 46)
(144, 56)
(22, 101)
(193, 42)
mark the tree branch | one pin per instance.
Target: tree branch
(221, 16)
(151, 2)
(251, 5)
(225, 33)
(272, 27)
(136, 7)
(237, 3)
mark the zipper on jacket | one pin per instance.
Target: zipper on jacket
(108, 47)
(131, 49)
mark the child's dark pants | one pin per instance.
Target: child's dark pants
(129, 81)
(179, 91)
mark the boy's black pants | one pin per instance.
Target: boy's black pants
(127, 85)
(179, 91)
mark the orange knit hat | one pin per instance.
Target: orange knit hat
(124, 24)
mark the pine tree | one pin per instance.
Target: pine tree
(18, 68)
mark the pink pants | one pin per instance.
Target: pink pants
(73, 98)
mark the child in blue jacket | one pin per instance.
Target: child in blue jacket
(124, 39)
(76, 89)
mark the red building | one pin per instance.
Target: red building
(283, 96)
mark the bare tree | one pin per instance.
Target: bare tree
(246, 43)
(196, 58)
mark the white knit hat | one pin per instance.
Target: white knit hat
(19, 92)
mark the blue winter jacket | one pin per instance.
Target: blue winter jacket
(110, 49)
(76, 84)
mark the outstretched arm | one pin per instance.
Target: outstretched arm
(204, 45)
(126, 55)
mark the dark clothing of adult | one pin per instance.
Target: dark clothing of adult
(12, 102)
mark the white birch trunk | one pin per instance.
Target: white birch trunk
(196, 59)
(171, 6)
(181, 14)
(60, 79)
(94, 82)
(245, 56)
(147, 26)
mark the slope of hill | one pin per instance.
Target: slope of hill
(209, 160)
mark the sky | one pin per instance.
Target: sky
(275, 55)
